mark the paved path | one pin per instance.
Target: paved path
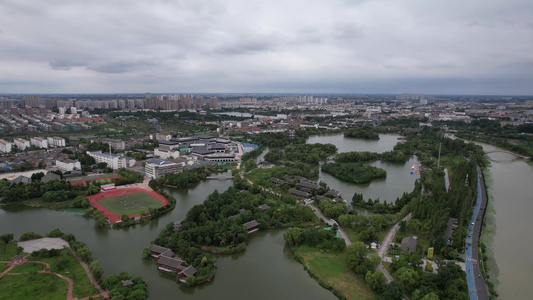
(47, 271)
(331, 222)
(386, 244)
(447, 179)
(476, 283)
(87, 270)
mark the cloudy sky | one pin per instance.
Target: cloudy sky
(307, 46)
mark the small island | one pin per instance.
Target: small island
(354, 172)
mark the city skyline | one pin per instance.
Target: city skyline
(368, 47)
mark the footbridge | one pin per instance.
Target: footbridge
(508, 152)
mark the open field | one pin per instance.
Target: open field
(33, 286)
(73, 270)
(128, 200)
(28, 267)
(3, 267)
(331, 269)
(130, 204)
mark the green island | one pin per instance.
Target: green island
(64, 271)
(354, 172)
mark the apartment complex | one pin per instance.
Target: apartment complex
(22, 143)
(113, 161)
(68, 165)
(39, 142)
(5, 146)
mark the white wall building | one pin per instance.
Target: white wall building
(39, 142)
(68, 165)
(22, 143)
(56, 142)
(5, 146)
(166, 154)
(113, 161)
(156, 168)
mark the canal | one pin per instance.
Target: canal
(507, 231)
(266, 270)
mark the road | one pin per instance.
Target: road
(331, 222)
(477, 287)
(386, 244)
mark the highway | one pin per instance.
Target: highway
(477, 288)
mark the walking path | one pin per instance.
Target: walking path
(47, 271)
(447, 179)
(385, 246)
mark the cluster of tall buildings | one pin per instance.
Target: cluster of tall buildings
(178, 102)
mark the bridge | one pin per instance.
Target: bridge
(220, 177)
(508, 152)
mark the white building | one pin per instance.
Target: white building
(56, 142)
(39, 142)
(68, 165)
(166, 154)
(5, 146)
(113, 161)
(22, 144)
(156, 168)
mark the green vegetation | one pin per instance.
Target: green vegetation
(330, 270)
(354, 172)
(66, 265)
(356, 156)
(183, 179)
(33, 286)
(113, 283)
(362, 134)
(29, 236)
(53, 191)
(3, 267)
(130, 204)
(28, 267)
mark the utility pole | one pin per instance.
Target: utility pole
(438, 162)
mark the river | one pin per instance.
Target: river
(266, 270)
(508, 234)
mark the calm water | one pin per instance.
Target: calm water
(264, 271)
(399, 178)
(509, 222)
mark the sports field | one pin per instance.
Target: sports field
(130, 204)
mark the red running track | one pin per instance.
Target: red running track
(113, 218)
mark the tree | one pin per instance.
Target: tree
(408, 277)
(394, 291)
(249, 165)
(431, 296)
(85, 254)
(376, 281)
(96, 269)
(375, 258)
(124, 218)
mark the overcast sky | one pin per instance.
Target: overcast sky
(307, 46)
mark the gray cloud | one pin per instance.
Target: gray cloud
(267, 46)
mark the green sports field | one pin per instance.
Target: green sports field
(130, 204)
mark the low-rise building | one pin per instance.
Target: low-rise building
(68, 165)
(22, 143)
(113, 161)
(39, 142)
(5, 146)
(56, 142)
(156, 168)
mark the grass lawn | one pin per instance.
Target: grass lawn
(33, 286)
(130, 204)
(9, 251)
(331, 269)
(3, 267)
(82, 285)
(28, 267)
